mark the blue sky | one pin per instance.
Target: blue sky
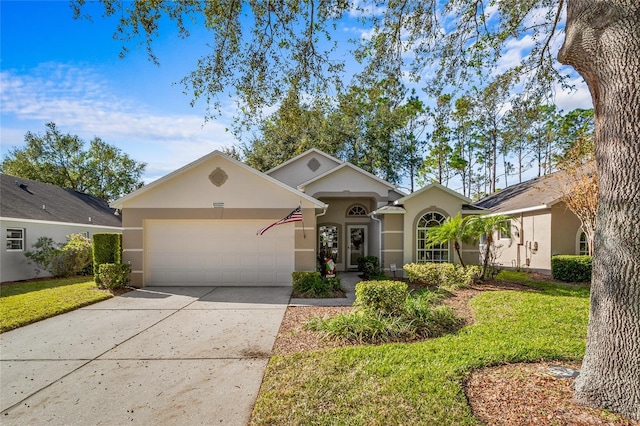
(55, 68)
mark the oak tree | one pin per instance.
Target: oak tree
(102, 170)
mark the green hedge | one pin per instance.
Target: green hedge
(571, 268)
(107, 248)
(445, 275)
(114, 275)
(382, 297)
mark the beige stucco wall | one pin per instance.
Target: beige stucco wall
(431, 199)
(565, 229)
(393, 242)
(191, 188)
(298, 171)
(528, 228)
(347, 180)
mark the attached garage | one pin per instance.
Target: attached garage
(197, 227)
(224, 253)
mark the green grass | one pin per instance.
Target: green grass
(422, 383)
(28, 302)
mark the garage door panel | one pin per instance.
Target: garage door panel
(222, 252)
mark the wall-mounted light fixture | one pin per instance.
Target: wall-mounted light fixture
(218, 204)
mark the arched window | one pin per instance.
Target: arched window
(357, 210)
(437, 253)
(583, 244)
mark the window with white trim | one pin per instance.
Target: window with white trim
(437, 253)
(506, 233)
(583, 244)
(328, 241)
(357, 210)
(15, 239)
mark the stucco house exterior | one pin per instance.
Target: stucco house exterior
(198, 225)
(541, 224)
(30, 210)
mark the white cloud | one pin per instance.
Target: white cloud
(361, 8)
(578, 98)
(81, 101)
(513, 52)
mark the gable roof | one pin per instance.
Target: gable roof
(297, 157)
(430, 186)
(535, 194)
(120, 202)
(27, 199)
(342, 166)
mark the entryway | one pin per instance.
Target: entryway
(357, 244)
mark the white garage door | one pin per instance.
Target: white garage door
(202, 252)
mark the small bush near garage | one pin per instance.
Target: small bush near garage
(446, 275)
(114, 275)
(388, 313)
(107, 248)
(62, 260)
(571, 268)
(312, 285)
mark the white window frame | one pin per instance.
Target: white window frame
(579, 250)
(506, 235)
(357, 210)
(21, 239)
(438, 253)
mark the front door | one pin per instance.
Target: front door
(357, 244)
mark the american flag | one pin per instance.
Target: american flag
(294, 216)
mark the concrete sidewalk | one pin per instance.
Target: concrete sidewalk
(180, 355)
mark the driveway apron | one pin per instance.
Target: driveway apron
(170, 355)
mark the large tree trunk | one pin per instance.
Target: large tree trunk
(603, 44)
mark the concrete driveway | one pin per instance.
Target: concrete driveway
(179, 356)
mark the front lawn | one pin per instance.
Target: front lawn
(24, 303)
(422, 383)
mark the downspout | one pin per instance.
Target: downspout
(373, 216)
(520, 241)
(324, 211)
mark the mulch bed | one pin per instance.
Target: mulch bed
(515, 394)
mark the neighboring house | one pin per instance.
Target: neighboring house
(30, 210)
(198, 225)
(541, 224)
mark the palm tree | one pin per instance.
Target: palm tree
(453, 229)
(487, 225)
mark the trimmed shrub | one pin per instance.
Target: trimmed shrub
(571, 268)
(446, 275)
(114, 275)
(382, 297)
(369, 266)
(311, 284)
(107, 248)
(427, 274)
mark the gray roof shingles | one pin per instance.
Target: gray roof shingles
(538, 192)
(24, 199)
